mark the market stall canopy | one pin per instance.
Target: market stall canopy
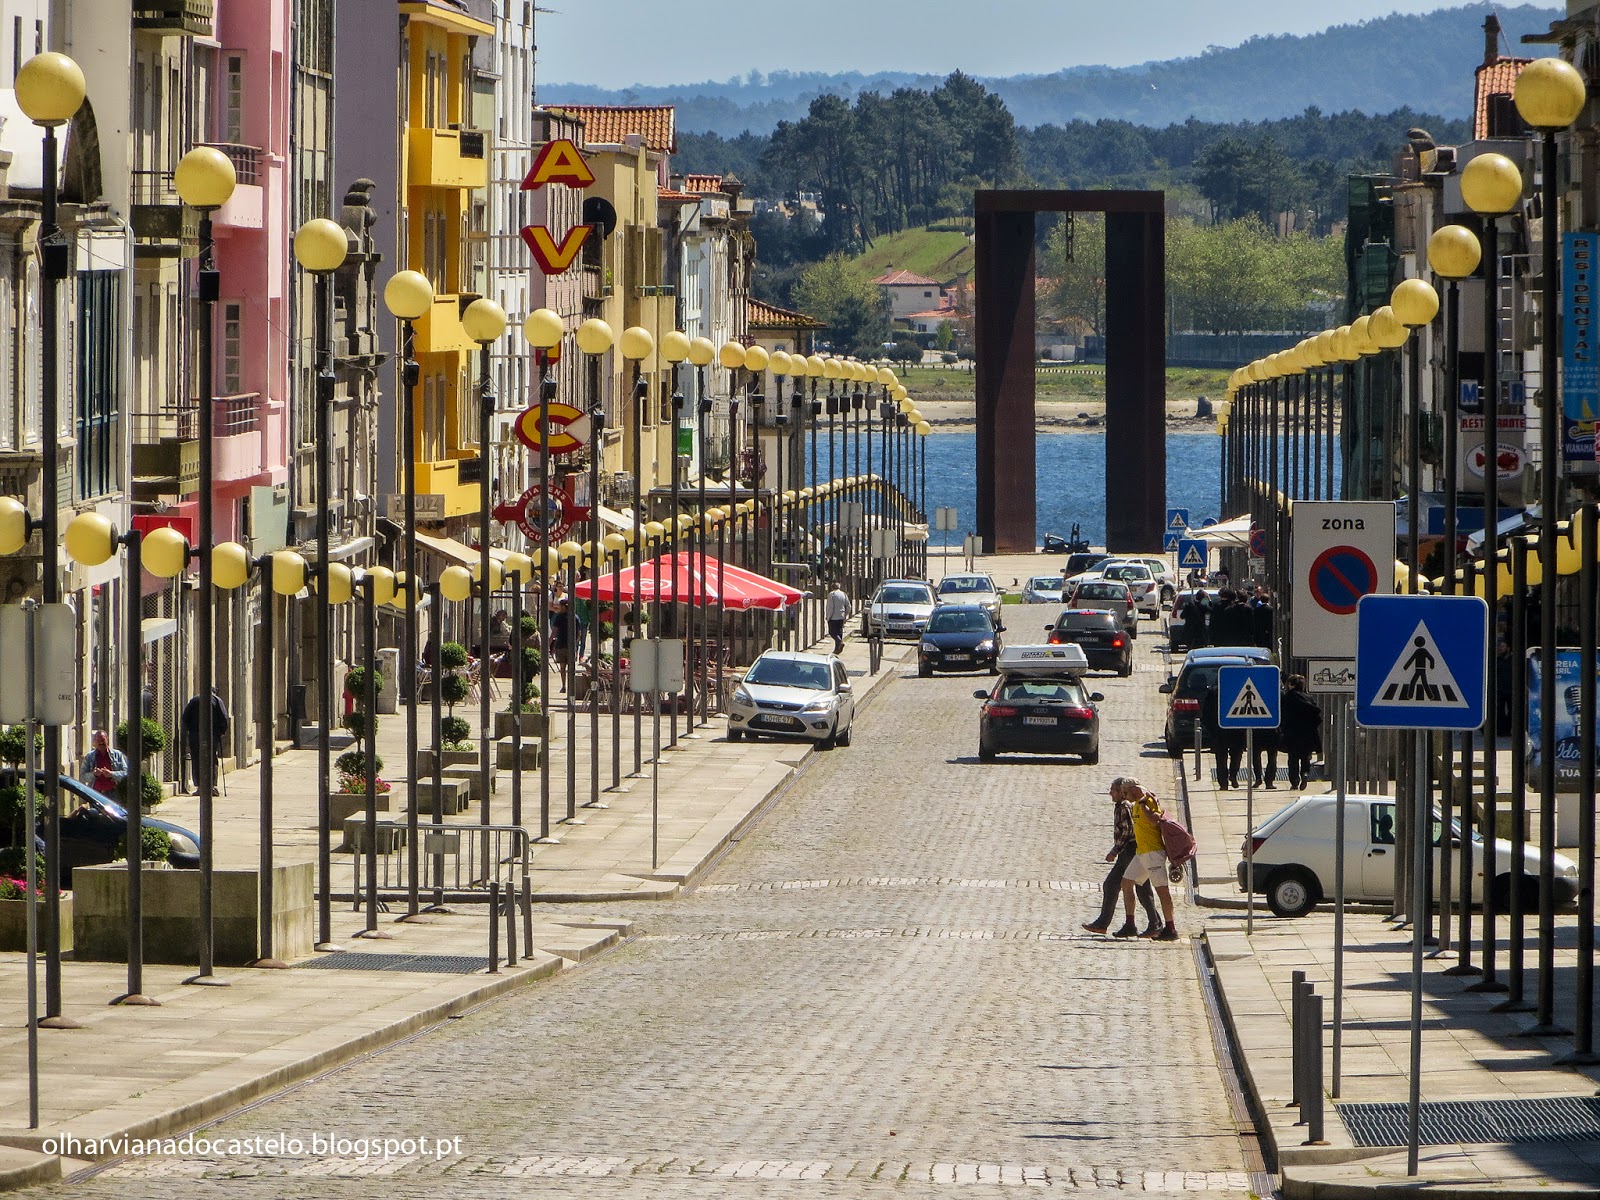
(1232, 532)
(689, 578)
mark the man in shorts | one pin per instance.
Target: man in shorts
(1149, 863)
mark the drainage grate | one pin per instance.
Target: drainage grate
(433, 964)
(1448, 1122)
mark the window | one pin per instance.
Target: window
(233, 99)
(231, 374)
(99, 320)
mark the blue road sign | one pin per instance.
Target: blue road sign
(1177, 518)
(1207, 523)
(1170, 541)
(1247, 697)
(1421, 661)
(1340, 576)
(1192, 554)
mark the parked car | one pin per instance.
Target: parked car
(1141, 582)
(1295, 857)
(959, 637)
(787, 694)
(93, 825)
(1039, 705)
(899, 608)
(1043, 589)
(1196, 677)
(972, 589)
(1109, 594)
(1077, 564)
(1166, 578)
(1105, 643)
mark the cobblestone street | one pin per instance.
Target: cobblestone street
(882, 990)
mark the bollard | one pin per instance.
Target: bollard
(494, 927)
(511, 926)
(1311, 1107)
(1199, 758)
(874, 653)
(527, 917)
(1297, 984)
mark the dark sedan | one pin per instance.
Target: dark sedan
(1105, 643)
(1039, 714)
(959, 637)
(92, 825)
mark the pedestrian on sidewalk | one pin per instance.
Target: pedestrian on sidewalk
(189, 722)
(1264, 747)
(561, 635)
(837, 609)
(103, 767)
(1227, 745)
(1301, 731)
(1149, 863)
(1119, 856)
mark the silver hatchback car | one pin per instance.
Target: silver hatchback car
(793, 695)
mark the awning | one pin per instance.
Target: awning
(690, 578)
(1233, 532)
(456, 552)
(615, 519)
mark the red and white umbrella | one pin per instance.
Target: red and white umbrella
(689, 578)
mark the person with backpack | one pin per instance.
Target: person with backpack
(1301, 729)
(1119, 856)
(1151, 863)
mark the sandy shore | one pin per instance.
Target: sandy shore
(1081, 416)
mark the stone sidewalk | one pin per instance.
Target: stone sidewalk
(142, 1072)
(1469, 1052)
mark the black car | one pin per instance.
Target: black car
(1039, 713)
(1105, 643)
(93, 824)
(1077, 564)
(959, 637)
(1196, 677)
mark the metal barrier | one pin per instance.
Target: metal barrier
(508, 904)
(874, 654)
(451, 858)
(1305, 1040)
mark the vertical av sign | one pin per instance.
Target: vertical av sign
(1580, 352)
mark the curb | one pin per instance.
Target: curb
(36, 1168)
(1298, 1187)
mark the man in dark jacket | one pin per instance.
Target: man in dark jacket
(1299, 729)
(1227, 745)
(189, 722)
(1261, 614)
(1231, 621)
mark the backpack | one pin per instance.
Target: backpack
(1177, 841)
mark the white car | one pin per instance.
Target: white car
(972, 589)
(1141, 582)
(1294, 857)
(794, 695)
(899, 608)
(1043, 589)
(1166, 580)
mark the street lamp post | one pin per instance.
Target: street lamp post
(205, 179)
(484, 322)
(544, 330)
(675, 348)
(701, 353)
(1549, 95)
(408, 295)
(635, 345)
(594, 338)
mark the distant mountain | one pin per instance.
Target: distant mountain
(1422, 62)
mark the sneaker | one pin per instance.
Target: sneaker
(1127, 930)
(1152, 933)
(1091, 927)
(1169, 934)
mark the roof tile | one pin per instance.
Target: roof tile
(904, 279)
(1498, 78)
(609, 125)
(762, 315)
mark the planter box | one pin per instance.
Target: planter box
(349, 804)
(171, 908)
(14, 923)
(447, 758)
(453, 792)
(505, 724)
(473, 777)
(506, 757)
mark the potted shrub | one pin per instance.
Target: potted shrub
(355, 686)
(528, 715)
(153, 741)
(157, 846)
(354, 770)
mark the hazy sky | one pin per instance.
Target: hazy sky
(621, 42)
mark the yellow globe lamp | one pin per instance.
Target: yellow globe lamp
(701, 351)
(230, 566)
(455, 584)
(166, 554)
(780, 363)
(636, 344)
(341, 584)
(1361, 336)
(496, 574)
(1550, 93)
(570, 551)
(1491, 184)
(382, 584)
(408, 295)
(614, 543)
(924, 428)
(90, 538)
(594, 336)
(320, 245)
(887, 377)
(906, 405)
(1414, 302)
(816, 366)
(518, 564)
(654, 530)
(14, 525)
(799, 365)
(756, 358)
(205, 178)
(552, 559)
(1387, 330)
(50, 89)
(288, 573)
(832, 368)
(1344, 346)
(543, 328)
(731, 355)
(1534, 568)
(1454, 251)
(484, 321)
(398, 599)
(914, 416)
(675, 345)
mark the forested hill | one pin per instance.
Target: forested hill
(1422, 62)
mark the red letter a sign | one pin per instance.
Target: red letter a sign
(554, 259)
(558, 162)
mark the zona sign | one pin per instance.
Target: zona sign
(1339, 577)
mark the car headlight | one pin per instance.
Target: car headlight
(1570, 871)
(183, 845)
(741, 696)
(929, 647)
(819, 706)
(984, 647)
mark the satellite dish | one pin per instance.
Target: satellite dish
(599, 211)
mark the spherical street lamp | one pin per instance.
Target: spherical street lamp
(50, 89)
(321, 245)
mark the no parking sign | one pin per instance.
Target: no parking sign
(1340, 553)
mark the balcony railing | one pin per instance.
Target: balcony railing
(246, 160)
(189, 17)
(154, 186)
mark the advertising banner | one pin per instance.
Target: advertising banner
(1580, 354)
(1566, 718)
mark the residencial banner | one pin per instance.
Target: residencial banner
(1568, 760)
(1580, 353)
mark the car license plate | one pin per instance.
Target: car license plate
(1038, 720)
(958, 657)
(792, 722)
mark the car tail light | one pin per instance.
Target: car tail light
(1255, 845)
(1185, 706)
(1081, 714)
(1000, 710)
(1117, 643)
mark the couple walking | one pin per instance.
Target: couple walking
(1139, 864)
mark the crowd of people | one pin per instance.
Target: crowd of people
(1226, 617)
(1298, 735)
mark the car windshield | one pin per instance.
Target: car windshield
(964, 583)
(1102, 591)
(1089, 620)
(1045, 583)
(959, 622)
(788, 672)
(904, 595)
(1041, 689)
(1128, 571)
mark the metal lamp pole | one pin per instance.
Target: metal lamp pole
(484, 321)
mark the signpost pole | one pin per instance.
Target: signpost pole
(1341, 737)
(1419, 844)
(30, 729)
(1249, 831)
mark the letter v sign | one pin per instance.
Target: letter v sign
(554, 259)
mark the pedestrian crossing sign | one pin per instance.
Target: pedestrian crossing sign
(1192, 554)
(1247, 697)
(1177, 519)
(1421, 662)
(1170, 542)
